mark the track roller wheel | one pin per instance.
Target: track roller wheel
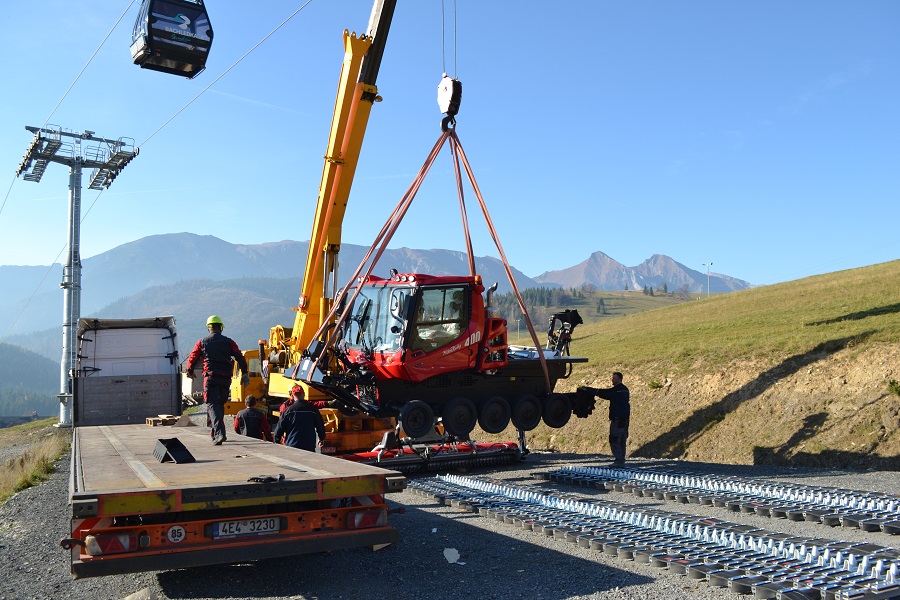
(526, 412)
(416, 418)
(557, 410)
(459, 417)
(494, 414)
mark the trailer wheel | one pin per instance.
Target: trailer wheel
(557, 410)
(459, 417)
(526, 412)
(493, 417)
(416, 418)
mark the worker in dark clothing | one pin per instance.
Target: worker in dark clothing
(619, 415)
(252, 422)
(301, 425)
(297, 392)
(216, 352)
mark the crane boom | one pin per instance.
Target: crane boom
(412, 356)
(356, 94)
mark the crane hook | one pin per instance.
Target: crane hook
(449, 98)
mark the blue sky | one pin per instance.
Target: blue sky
(763, 137)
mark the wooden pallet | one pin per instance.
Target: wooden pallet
(161, 420)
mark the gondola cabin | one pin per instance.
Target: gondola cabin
(172, 36)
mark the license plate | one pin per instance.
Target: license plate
(230, 529)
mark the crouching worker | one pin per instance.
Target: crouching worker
(252, 422)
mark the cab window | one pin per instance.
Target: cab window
(441, 317)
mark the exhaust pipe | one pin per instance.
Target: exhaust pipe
(489, 304)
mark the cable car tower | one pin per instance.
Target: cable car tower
(107, 158)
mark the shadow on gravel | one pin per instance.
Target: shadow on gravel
(674, 443)
(503, 564)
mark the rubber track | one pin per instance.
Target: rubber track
(740, 557)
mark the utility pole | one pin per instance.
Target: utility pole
(107, 158)
(707, 265)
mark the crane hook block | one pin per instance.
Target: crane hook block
(449, 95)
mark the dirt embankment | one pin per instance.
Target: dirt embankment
(821, 409)
(829, 407)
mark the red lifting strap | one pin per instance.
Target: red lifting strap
(379, 246)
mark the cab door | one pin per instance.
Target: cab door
(442, 334)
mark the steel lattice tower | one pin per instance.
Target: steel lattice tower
(107, 158)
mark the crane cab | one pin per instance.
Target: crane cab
(172, 36)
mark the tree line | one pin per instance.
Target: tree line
(28, 383)
(19, 402)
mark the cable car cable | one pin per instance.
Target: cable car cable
(33, 294)
(66, 93)
(84, 68)
(236, 63)
(5, 198)
(47, 120)
(50, 268)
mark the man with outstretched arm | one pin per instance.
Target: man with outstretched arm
(619, 415)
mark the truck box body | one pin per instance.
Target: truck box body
(101, 400)
(126, 371)
(149, 498)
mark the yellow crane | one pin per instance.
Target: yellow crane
(270, 362)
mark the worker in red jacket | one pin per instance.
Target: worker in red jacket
(252, 422)
(217, 352)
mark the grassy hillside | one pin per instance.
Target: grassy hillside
(593, 306)
(802, 372)
(828, 311)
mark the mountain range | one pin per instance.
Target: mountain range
(197, 275)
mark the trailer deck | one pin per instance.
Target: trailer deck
(146, 498)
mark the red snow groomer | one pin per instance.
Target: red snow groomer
(432, 352)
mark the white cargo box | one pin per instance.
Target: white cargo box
(119, 347)
(127, 371)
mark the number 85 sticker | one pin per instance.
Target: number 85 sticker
(176, 534)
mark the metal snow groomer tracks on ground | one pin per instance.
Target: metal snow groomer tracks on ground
(869, 511)
(739, 557)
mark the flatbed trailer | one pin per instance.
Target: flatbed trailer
(154, 498)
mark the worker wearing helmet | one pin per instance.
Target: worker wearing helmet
(216, 351)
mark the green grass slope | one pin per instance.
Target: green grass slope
(794, 373)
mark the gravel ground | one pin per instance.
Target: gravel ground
(497, 561)
(14, 451)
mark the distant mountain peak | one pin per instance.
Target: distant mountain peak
(606, 273)
(167, 259)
